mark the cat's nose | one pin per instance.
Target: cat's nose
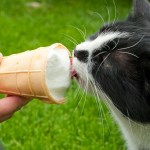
(81, 55)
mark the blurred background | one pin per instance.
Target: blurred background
(81, 123)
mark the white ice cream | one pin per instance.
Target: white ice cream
(58, 72)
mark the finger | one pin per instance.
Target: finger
(5, 118)
(11, 104)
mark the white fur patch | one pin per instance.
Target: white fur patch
(100, 41)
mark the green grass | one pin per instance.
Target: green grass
(40, 126)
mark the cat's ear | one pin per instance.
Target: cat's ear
(141, 8)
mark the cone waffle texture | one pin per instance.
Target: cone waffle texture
(23, 74)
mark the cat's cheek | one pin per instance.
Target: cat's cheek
(84, 75)
(80, 68)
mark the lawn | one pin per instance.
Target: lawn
(79, 124)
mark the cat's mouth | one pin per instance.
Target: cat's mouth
(73, 73)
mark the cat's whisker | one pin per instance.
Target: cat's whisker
(102, 63)
(107, 100)
(96, 96)
(107, 47)
(132, 45)
(78, 103)
(106, 104)
(129, 122)
(80, 31)
(100, 108)
(100, 16)
(115, 11)
(71, 39)
(86, 88)
(82, 83)
(76, 95)
(97, 93)
(116, 44)
(105, 97)
(108, 12)
(129, 54)
(97, 99)
(117, 30)
(99, 54)
(84, 92)
(84, 32)
(78, 90)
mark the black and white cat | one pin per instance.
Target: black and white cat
(116, 61)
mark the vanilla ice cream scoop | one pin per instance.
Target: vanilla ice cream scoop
(58, 72)
(43, 73)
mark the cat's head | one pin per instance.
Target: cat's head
(117, 60)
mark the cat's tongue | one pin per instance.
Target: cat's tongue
(73, 72)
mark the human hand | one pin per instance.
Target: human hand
(10, 104)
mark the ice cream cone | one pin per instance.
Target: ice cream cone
(27, 74)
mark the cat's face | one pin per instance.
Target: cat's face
(117, 60)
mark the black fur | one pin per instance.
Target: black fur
(82, 55)
(123, 77)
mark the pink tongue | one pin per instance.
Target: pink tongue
(73, 72)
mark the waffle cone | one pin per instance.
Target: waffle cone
(23, 74)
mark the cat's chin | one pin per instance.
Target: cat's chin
(84, 84)
(76, 77)
(74, 74)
